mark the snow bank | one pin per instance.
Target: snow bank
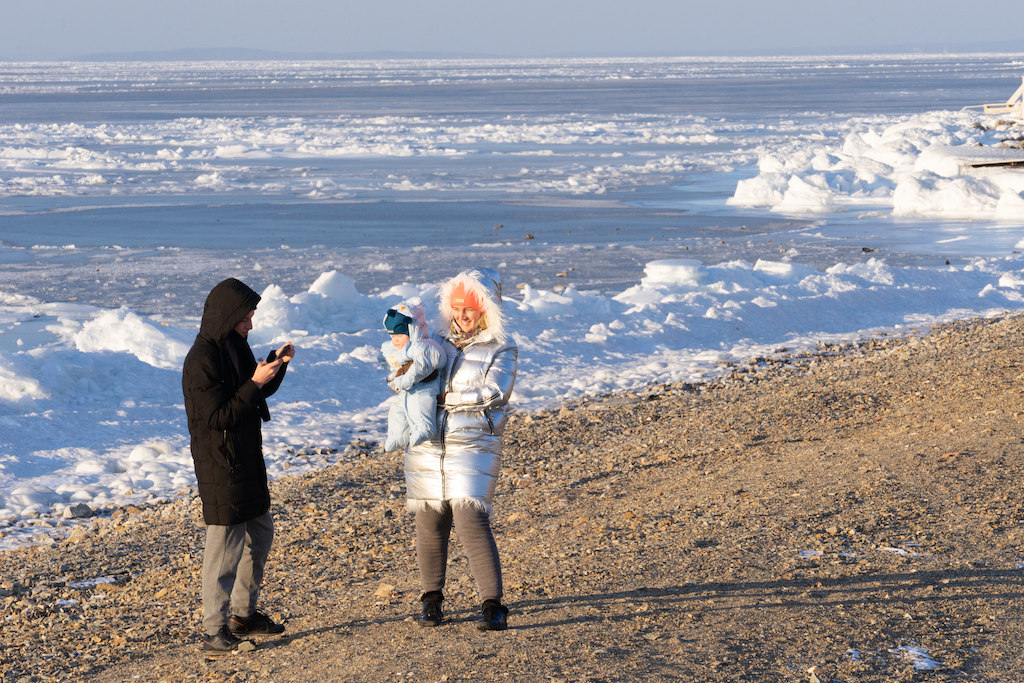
(938, 164)
(124, 331)
(331, 304)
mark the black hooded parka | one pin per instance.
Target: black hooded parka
(225, 408)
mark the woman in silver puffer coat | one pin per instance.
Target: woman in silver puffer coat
(450, 479)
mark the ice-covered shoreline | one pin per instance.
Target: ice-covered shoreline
(94, 412)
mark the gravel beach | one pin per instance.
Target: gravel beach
(849, 516)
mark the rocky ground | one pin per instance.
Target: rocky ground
(852, 516)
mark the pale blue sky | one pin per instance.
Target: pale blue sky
(58, 29)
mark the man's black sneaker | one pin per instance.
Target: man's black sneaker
(493, 616)
(257, 624)
(223, 642)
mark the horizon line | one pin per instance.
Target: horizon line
(260, 54)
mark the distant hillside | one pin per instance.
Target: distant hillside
(250, 54)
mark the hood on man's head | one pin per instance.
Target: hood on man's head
(481, 286)
(227, 305)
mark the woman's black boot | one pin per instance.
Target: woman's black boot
(493, 616)
(431, 614)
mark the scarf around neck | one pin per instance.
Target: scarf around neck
(460, 338)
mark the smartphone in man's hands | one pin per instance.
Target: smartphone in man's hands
(272, 356)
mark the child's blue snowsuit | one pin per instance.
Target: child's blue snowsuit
(413, 417)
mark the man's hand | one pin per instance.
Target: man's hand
(266, 371)
(286, 352)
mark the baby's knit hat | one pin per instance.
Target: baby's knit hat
(396, 323)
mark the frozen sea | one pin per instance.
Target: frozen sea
(650, 217)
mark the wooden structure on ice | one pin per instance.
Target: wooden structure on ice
(1014, 105)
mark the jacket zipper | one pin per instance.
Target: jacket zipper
(444, 424)
(231, 460)
(442, 428)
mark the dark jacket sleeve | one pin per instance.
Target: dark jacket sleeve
(271, 387)
(215, 404)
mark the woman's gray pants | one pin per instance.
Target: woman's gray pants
(233, 565)
(473, 528)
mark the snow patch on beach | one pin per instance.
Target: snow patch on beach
(918, 657)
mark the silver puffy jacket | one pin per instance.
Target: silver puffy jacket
(460, 466)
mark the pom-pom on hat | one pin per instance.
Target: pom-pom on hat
(461, 296)
(396, 323)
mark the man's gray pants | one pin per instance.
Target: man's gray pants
(233, 565)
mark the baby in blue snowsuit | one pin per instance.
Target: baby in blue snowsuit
(414, 363)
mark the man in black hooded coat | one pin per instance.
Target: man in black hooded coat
(225, 399)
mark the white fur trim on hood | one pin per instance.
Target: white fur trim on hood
(486, 284)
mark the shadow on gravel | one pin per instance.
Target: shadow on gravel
(454, 618)
(945, 586)
(988, 584)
